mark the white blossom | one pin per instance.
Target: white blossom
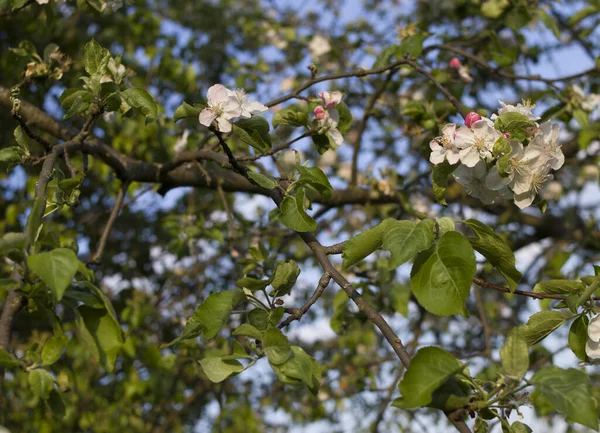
(443, 147)
(112, 5)
(476, 143)
(546, 140)
(247, 107)
(518, 171)
(524, 109)
(327, 122)
(222, 107)
(473, 180)
(532, 183)
(181, 141)
(327, 159)
(592, 347)
(588, 102)
(553, 191)
(331, 99)
(590, 172)
(319, 46)
(42, 2)
(463, 72)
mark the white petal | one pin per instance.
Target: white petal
(337, 136)
(224, 124)
(207, 117)
(469, 157)
(452, 157)
(464, 137)
(255, 107)
(525, 199)
(218, 93)
(449, 131)
(594, 328)
(434, 145)
(496, 182)
(592, 349)
(231, 108)
(437, 156)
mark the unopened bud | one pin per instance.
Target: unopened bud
(471, 118)
(454, 63)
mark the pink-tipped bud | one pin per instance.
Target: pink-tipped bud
(320, 113)
(471, 118)
(506, 135)
(454, 63)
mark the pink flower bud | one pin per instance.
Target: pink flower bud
(320, 113)
(454, 63)
(471, 118)
(506, 135)
(331, 99)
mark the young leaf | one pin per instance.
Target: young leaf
(405, 239)
(493, 248)
(143, 101)
(300, 367)
(516, 124)
(217, 369)
(247, 330)
(186, 110)
(558, 287)
(53, 349)
(254, 132)
(276, 346)
(285, 277)
(95, 58)
(101, 333)
(56, 268)
(41, 382)
(294, 115)
(293, 214)
(429, 369)
(540, 325)
(316, 179)
(345, 122)
(209, 317)
(439, 179)
(569, 391)
(263, 180)
(363, 244)
(515, 354)
(441, 277)
(578, 336)
(8, 360)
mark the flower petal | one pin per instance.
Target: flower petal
(207, 117)
(469, 156)
(337, 136)
(255, 107)
(525, 199)
(592, 349)
(224, 124)
(594, 328)
(218, 93)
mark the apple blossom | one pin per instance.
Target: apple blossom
(533, 183)
(592, 347)
(476, 143)
(553, 191)
(590, 172)
(546, 141)
(471, 118)
(327, 121)
(455, 63)
(247, 108)
(443, 147)
(473, 179)
(319, 46)
(331, 99)
(222, 107)
(518, 171)
(464, 74)
(42, 2)
(588, 102)
(524, 109)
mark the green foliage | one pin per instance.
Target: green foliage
(143, 101)
(495, 249)
(556, 287)
(40, 382)
(293, 213)
(439, 179)
(444, 272)
(186, 110)
(294, 115)
(314, 178)
(284, 278)
(514, 123)
(569, 391)
(254, 132)
(430, 368)
(515, 354)
(276, 346)
(540, 325)
(56, 268)
(218, 369)
(263, 180)
(578, 336)
(101, 333)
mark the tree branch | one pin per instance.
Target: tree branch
(297, 313)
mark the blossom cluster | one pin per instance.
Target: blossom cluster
(224, 105)
(327, 116)
(495, 166)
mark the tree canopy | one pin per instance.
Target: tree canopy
(272, 216)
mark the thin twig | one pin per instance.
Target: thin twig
(8, 13)
(273, 150)
(97, 257)
(72, 169)
(45, 144)
(297, 313)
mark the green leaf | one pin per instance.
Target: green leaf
(209, 317)
(430, 368)
(247, 330)
(494, 8)
(441, 277)
(10, 154)
(323, 142)
(569, 391)
(300, 367)
(495, 249)
(285, 277)
(558, 287)
(540, 325)
(519, 427)
(263, 180)
(143, 101)
(412, 45)
(96, 58)
(217, 369)
(75, 101)
(56, 268)
(294, 115)
(293, 214)
(101, 333)
(41, 382)
(276, 346)
(316, 179)
(385, 56)
(34, 220)
(252, 284)
(53, 348)
(345, 122)
(578, 336)
(582, 118)
(405, 239)
(186, 110)
(8, 360)
(56, 404)
(515, 354)
(21, 138)
(549, 22)
(514, 123)
(439, 179)
(363, 244)
(501, 147)
(259, 318)
(12, 241)
(254, 132)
